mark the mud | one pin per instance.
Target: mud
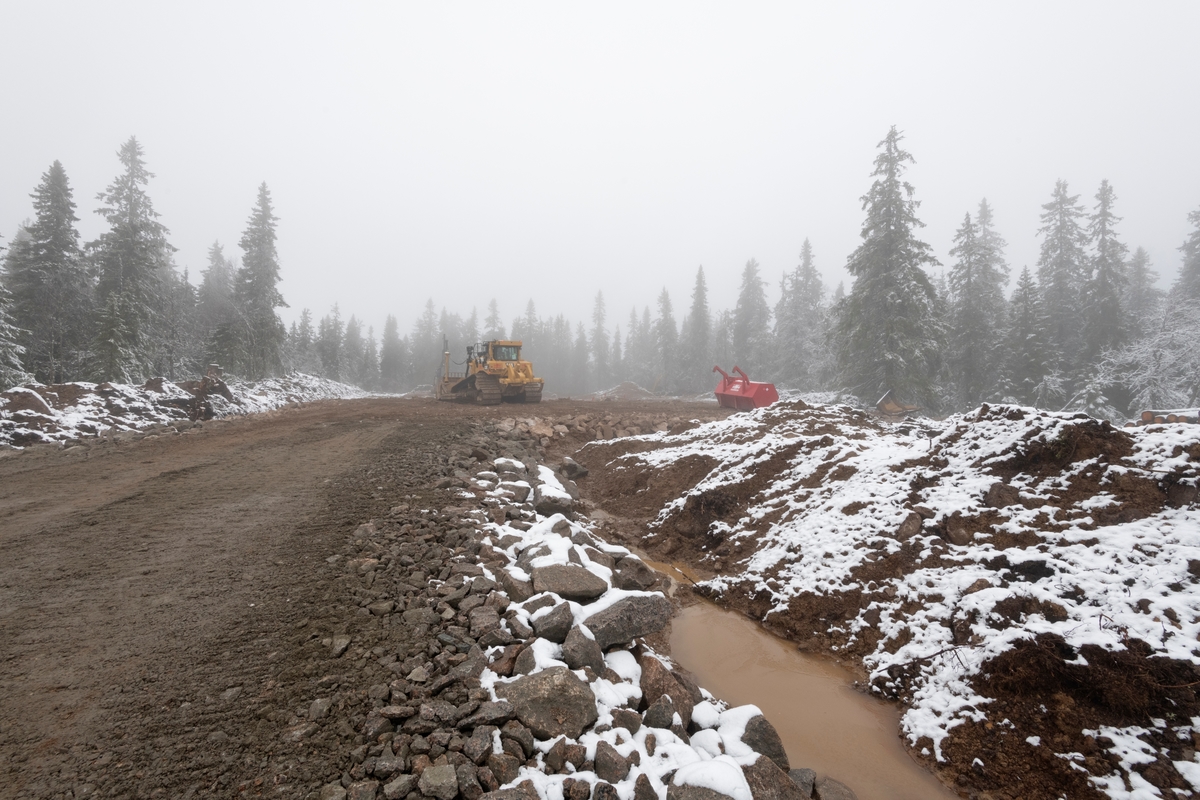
(826, 725)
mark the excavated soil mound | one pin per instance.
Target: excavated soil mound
(1023, 582)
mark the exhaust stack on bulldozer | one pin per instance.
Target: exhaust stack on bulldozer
(493, 373)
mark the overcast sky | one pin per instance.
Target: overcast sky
(470, 151)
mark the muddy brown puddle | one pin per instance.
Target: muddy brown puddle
(825, 724)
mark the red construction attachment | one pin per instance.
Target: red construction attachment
(743, 393)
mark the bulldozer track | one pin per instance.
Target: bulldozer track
(533, 394)
(487, 390)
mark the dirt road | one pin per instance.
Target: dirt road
(145, 584)
(162, 601)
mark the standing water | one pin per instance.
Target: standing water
(825, 724)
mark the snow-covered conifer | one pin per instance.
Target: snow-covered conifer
(696, 363)
(601, 356)
(12, 372)
(392, 357)
(256, 291)
(44, 271)
(493, 326)
(1187, 285)
(888, 332)
(132, 256)
(330, 332)
(1062, 275)
(752, 324)
(666, 339)
(1027, 361)
(1142, 295)
(1104, 324)
(976, 311)
(800, 325)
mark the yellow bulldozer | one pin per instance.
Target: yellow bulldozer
(493, 373)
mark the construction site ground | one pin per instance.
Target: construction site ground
(159, 598)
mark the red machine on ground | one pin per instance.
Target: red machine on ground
(743, 393)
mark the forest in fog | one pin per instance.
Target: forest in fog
(1089, 327)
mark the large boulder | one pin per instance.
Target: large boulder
(804, 778)
(829, 789)
(611, 766)
(692, 781)
(517, 589)
(629, 618)
(489, 713)
(482, 620)
(633, 575)
(551, 703)
(440, 782)
(762, 737)
(580, 650)
(555, 623)
(657, 680)
(518, 489)
(569, 581)
(548, 501)
(768, 782)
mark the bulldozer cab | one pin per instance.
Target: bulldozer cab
(504, 352)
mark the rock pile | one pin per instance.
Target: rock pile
(523, 671)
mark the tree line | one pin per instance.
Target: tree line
(1087, 328)
(118, 309)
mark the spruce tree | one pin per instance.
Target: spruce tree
(1187, 285)
(131, 256)
(302, 342)
(426, 346)
(471, 327)
(531, 328)
(391, 357)
(214, 299)
(1062, 275)
(618, 357)
(493, 326)
(976, 305)
(800, 321)
(44, 271)
(112, 358)
(256, 291)
(367, 376)
(12, 372)
(329, 344)
(666, 339)
(1027, 360)
(179, 348)
(579, 379)
(722, 341)
(888, 334)
(694, 348)
(601, 357)
(1104, 325)
(752, 323)
(1142, 294)
(353, 349)
(451, 327)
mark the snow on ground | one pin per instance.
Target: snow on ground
(995, 510)
(35, 413)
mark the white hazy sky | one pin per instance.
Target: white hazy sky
(470, 151)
